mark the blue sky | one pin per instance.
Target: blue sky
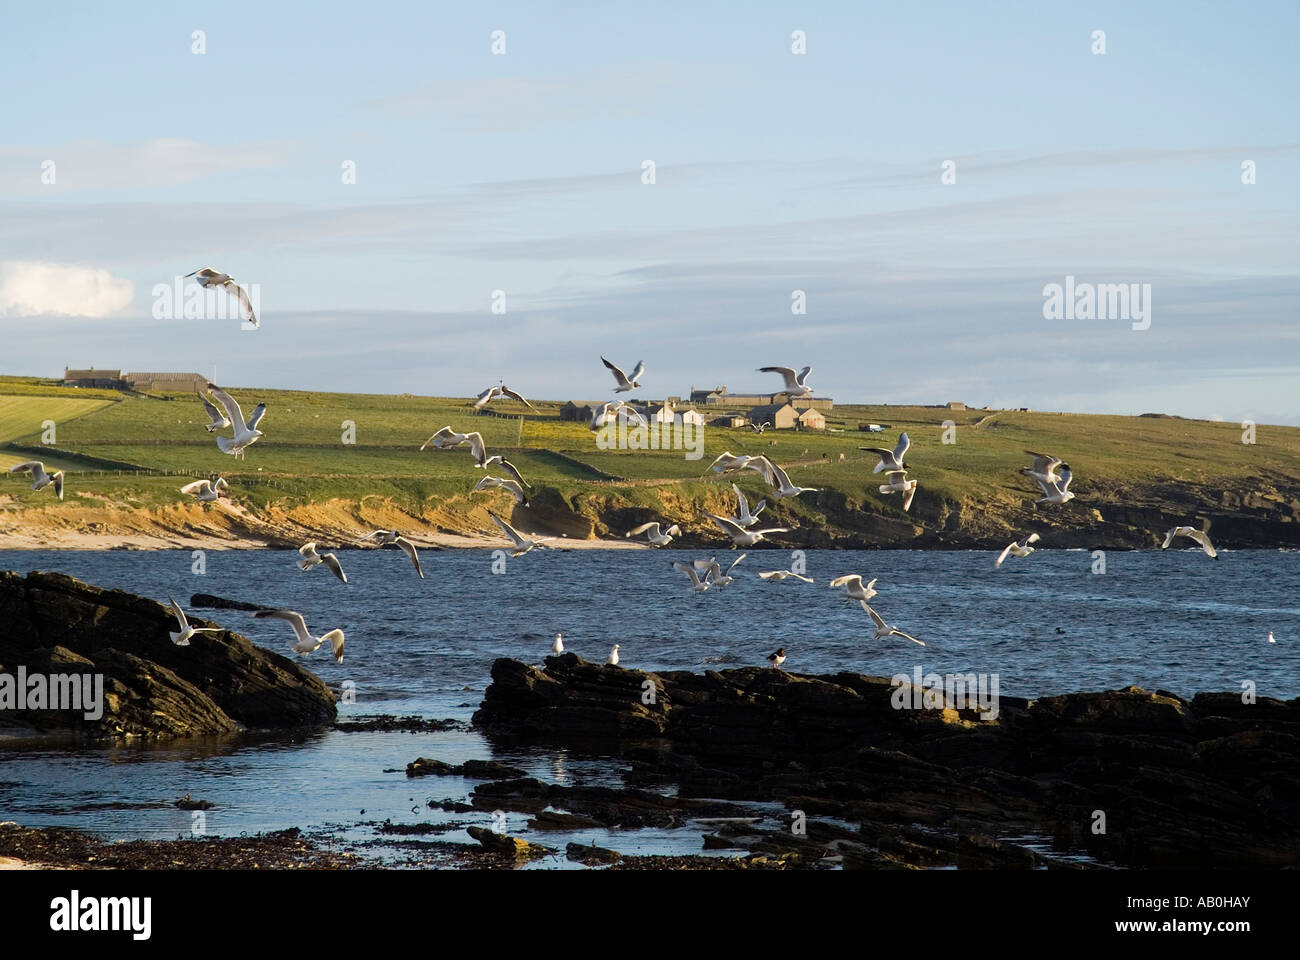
(774, 172)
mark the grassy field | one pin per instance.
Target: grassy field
(303, 459)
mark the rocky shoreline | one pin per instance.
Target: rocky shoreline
(1127, 777)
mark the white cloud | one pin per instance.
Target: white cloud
(33, 289)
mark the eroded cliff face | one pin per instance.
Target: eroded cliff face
(53, 624)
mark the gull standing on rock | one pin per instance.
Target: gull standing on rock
(1201, 538)
(306, 643)
(310, 558)
(1020, 548)
(655, 538)
(182, 639)
(246, 432)
(625, 383)
(885, 630)
(891, 459)
(206, 491)
(447, 439)
(854, 588)
(612, 659)
(522, 544)
(41, 479)
(207, 277)
(386, 538)
(796, 384)
(558, 645)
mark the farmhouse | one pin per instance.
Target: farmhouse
(579, 412)
(719, 396)
(785, 416)
(167, 382)
(101, 379)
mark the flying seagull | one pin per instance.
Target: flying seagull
(1044, 468)
(182, 639)
(207, 277)
(745, 517)
(740, 537)
(246, 432)
(508, 467)
(714, 572)
(310, 558)
(854, 588)
(777, 478)
(501, 390)
(447, 439)
(728, 463)
(626, 383)
(778, 658)
(610, 409)
(41, 479)
(612, 659)
(391, 537)
(206, 491)
(522, 544)
(885, 630)
(898, 483)
(891, 459)
(510, 486)
(306, 643)
(655, 538)
(1196, 535)
(1056, 491)
(700, 584)
(760, 427)
(784, 575)
(219, 420)
(1020, 548)
(796, 384)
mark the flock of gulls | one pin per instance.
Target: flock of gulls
(741, 528)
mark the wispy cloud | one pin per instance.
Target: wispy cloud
(97, 165)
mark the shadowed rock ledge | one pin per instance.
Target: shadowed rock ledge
(1206, 782)
(51, 623)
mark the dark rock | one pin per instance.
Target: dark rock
(53, 623)
(470, 769)
(209, 602)
(504, 843)
(1207, 782)
(590, 855)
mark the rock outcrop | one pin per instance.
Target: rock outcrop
(51, 623)
(1127, 776)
